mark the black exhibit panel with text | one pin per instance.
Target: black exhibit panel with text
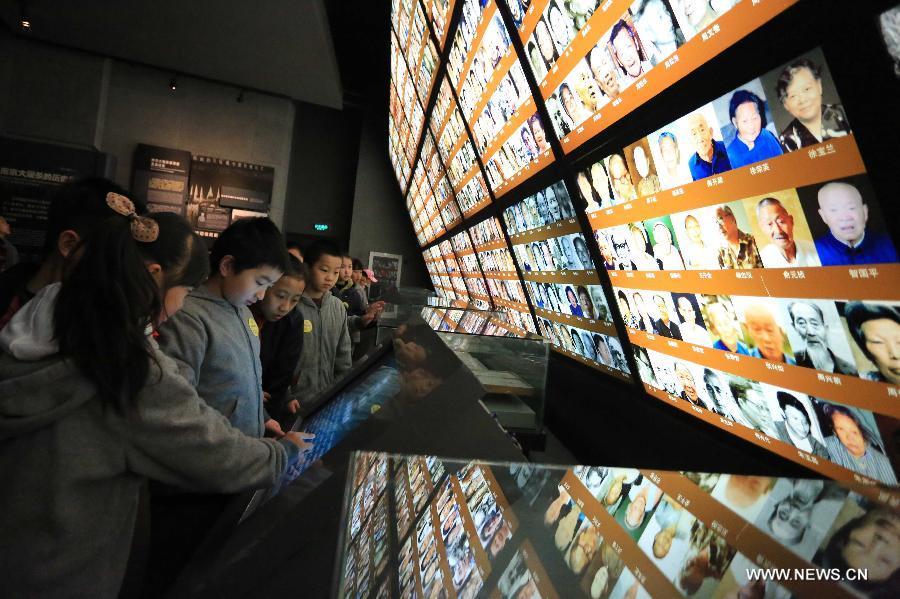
(634, 182)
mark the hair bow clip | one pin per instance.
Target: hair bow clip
(143, 229)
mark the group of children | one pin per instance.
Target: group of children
(131, 353)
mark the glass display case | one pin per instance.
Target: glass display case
(512, 368)
(510, 363)
(410, 395)
(423, 526)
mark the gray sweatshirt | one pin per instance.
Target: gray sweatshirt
(326, 346)
(217, 350)
(72, 467)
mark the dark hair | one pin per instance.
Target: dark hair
(81, 207)
(616, 30)
(692, 300)
(252, 242)
(742, 96)
(321, 248)
(294, 245)
(357, 264)
(561, 87)
(859, 313)
(296, 269)
(587, 58)
(830, 410)
(786, 399)
(179, 251)
(832, 556)
(108, 298)
(787, 75)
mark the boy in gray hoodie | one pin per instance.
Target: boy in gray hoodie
(214, 338)
(327, 349)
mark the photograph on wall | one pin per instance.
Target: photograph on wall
(218, 185)
(159, 177)
(387, 269)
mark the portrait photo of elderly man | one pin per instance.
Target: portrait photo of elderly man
(710, 155)
(850, 237)
(780, 230)
(815, 335)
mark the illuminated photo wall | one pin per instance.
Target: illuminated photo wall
(754, 271)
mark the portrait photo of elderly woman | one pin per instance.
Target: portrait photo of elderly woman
(808, 110)
(852, 439)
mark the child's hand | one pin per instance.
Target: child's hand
(266, 396)
(273, 428)
(293, 406)
(301, 440)
(372, 313)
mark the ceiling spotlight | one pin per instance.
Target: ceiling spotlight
(24, 21)
(240, 97)
(173, 84)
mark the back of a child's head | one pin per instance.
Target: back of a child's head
(252, 242)
(296, 269)
(108, 297)
(80, 206)
(180, 252)
(321, 248)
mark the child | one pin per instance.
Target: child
(75, 210)
(215, 339)
(281, 337)
(359, 284)
(347, 289)
(9, 256)
(80, 435)
(326, 351)
(295, 250)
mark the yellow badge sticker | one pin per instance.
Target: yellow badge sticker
(307, 326)
(254, 328)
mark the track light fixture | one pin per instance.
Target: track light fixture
(24, 21)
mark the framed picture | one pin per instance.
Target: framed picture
(387, 268)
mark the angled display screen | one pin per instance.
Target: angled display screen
(754, 271)
(745, 246)
(561, 281)
(422, 526)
